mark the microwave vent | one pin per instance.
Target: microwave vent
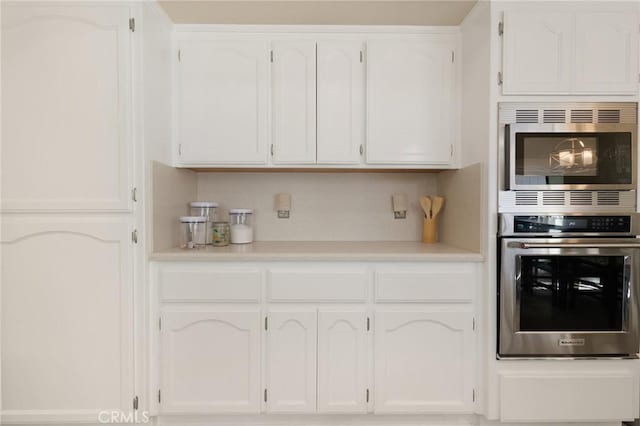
(608, 198)
(527, 116)
(526, 198)
(553, 198)
(582, 116)
(580, 198)
(609, 116)
(554, 116)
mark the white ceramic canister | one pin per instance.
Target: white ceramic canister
(208, 209)
(192, 231)
(240, 221)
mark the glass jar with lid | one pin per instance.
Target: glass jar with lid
(193, 231)
(240, 221)
(207, 209)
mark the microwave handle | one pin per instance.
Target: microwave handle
(522, 245)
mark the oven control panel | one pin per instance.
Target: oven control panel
(552, 224)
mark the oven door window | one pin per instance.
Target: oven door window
(572, 293)
(573, 158)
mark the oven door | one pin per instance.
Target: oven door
(570, 156)
(569, 297)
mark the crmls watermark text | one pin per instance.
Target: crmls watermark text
(116, 416)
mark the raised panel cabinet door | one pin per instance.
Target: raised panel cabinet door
(606, 52)
(293, 76)
(411, 101)
(340, 102)
(222, 102)
(67, 319)
(291, 362)
(210, 361)
(342, 362)
(66, 108)
(537, 52)
(423, 361)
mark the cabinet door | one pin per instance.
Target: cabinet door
(291, 362)
(606, 53)
(294, 102)
(210, 361)
(342, 362)
(66, 107)
(222, 102)
(340, 102)
(423, 361)
(410, 101)
(67, 319)
(537, 52)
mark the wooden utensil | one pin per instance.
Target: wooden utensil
(425, 202)
(436, 206)
(432, 207)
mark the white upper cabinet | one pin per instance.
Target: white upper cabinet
(341, 106)
(66, 108)
(293, 75)
(222, 102)
(606, 53)
(211, 361)
(567, 52)
(411, 100)
(537, 52)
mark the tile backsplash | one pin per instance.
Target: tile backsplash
(324, 206)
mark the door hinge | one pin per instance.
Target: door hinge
(135, 402)
(266, 323)
(453, 56)
(134, 195)
(361, 56)
(134, 236)
(367, 395)
(159, 396)
(179, 55)
(132, 24)
(500, 28)
(499, 78)
(159, 323)
(368, 323)
(265, 395)
(271, 55)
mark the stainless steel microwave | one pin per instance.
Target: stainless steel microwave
(568, 147)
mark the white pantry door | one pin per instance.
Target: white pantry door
(291, 362)
(66, 107)
(222, 102)
(342, 362)
(210, 361)
(67, 318)
(293, 75)
(340, 102)
(423, 361)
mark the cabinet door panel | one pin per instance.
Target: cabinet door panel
(423, 361)
(606, 53)
(67, 319)
(291, 362)
(294, 102)
(222, 104)
(410, 101)
(66, 108)
(210, 361)
(342, 362)
(340, 102)
(537, 52)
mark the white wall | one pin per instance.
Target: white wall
(325, 206)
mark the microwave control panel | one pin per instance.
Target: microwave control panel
(550, 224)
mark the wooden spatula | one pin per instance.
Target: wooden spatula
(425, 203)
(436, 206)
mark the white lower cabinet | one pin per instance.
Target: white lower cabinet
(423, 360)
(210, 360)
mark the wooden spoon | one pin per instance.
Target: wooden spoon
(425, 203)
(436, 206)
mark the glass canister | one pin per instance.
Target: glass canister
(220, 234)
(241, 226)
(208, 209)
(193, 231)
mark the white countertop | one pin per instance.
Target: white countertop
(323, 250)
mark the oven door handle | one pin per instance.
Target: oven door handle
(522, 245)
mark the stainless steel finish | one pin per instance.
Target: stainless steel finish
(565, 358)
(515, 342)
(571, 201)
(512, 129)
(505, 227)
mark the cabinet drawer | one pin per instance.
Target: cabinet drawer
(209, 285)
(317, 285)
(572, 397)
(423, 286)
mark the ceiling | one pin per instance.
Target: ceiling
(318, 12)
